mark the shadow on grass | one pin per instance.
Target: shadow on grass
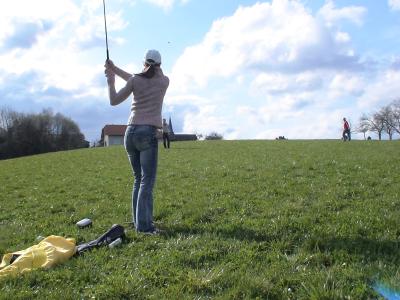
(183, 148)
(233, 232)
(369, 249)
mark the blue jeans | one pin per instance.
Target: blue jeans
(142, 147)
(346, 134)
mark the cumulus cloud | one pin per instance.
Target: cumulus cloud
(33, 28)
(269, 69)
(281, 36)
(343, 84)
(382, 90)
(333, 15)
(277, 83)
(394, 4)
(17, 15)
(46, 57)
(342, 37)
(280, 67)
(18, 87)
(166, 4)
(25, 34)
(396, 63)
(206, 120)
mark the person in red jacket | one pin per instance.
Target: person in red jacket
(346, 130)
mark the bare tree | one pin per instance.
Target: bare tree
(374, 123)
(378, 124)
(395, 117)
(6, 118)
(363, 126)
(386, 115)
(387, 119)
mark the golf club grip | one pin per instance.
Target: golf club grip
(108, 56)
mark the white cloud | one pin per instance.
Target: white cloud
(282, 68)
(33, 11)
(253, 115)
(394, 4)
(186, 98)
(259, 48)
(382, 90)
(166, 4)
(59, 53)
(344, 84)
(269, 69)
(206, 120)
(39, 9)
(275, 83)
(342, 37)
(265, 36)
(332, 15)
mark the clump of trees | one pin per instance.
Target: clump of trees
(384, 121)
(26, 134)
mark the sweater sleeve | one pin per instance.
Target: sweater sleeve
(120, 96)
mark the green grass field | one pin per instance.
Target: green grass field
(242, 220)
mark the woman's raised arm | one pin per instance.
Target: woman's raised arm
(119, 72)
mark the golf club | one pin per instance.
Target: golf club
(105, 28)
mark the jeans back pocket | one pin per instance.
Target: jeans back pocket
(142, 142)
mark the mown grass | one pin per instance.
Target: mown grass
(242, 220)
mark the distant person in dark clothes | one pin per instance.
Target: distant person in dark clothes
(346, 130)
(165, 134)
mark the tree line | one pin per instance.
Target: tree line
(26, 134)
(385, 121)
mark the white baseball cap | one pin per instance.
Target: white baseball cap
(152, 57)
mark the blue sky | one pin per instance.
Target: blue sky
(246, 69)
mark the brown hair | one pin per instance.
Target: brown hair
(150, 69)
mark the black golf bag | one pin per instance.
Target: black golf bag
(115, 232)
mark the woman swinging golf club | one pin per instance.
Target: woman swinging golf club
(148, 89)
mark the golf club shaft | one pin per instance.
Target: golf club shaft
(105, 27)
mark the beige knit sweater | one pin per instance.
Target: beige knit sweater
(148, 96)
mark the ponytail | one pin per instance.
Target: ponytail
(149, 71)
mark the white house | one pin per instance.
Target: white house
(113, 135)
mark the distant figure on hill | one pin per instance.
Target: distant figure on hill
(165, 134)
(148, 89)
(346, 130)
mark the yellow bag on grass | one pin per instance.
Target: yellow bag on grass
(49, 252)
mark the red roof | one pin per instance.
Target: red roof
(114, 130)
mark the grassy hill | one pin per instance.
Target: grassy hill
(242, 219)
